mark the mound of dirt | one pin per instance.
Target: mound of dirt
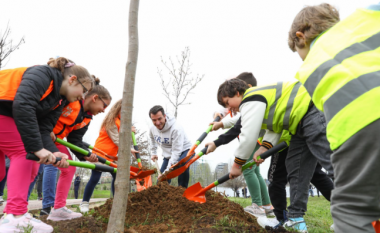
(161, 208)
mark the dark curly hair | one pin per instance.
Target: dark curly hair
(229, 89)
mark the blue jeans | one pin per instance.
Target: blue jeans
(49, 184)
(2, 183)
(94, 179)
(31, 186)
(183, 179)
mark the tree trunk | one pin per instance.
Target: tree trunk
(119, 206)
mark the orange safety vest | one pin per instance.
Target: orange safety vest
(66, 122)
(105, 143)
(10, 81)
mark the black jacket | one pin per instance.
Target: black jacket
(35, 119)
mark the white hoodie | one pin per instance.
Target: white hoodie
(172, 139)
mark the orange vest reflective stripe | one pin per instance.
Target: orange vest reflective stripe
(10, 81)
(67, 119)
(105, 143)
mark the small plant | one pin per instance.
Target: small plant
(146, 220)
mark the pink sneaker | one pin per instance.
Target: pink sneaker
(63, 214)
(25, 223)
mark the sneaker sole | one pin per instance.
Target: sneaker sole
(256, 215)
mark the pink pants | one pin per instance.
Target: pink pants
(64, 182)
(21, 170)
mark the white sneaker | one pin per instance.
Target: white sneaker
(255, 210)
(62, 214)
(84, 207)
(264, 221)
(332, 227)
(25, 223)
(1, 200)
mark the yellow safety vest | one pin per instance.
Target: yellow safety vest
(342, 75)
(287, 103)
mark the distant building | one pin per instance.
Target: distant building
(221, 169)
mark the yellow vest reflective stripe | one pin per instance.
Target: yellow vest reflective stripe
(287, 103)
(342, 74)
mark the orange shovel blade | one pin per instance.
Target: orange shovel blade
(139, 173)
(193, 193)
(173, 174)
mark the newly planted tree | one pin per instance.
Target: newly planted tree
(119, 207)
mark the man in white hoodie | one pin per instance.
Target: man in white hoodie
(172, 139)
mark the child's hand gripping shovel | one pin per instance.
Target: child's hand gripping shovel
(179, 170)
(134, 173)
(199, 141)
(84, 152)
(136, 147)
(197, 194)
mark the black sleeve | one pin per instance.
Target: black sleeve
(230, 135)
(47, 125)
(34, 84)
(76, 137)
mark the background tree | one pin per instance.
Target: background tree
(7, 46)
(178, 84)
(122, 183)
(236, 184)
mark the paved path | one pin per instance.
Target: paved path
(37, 205)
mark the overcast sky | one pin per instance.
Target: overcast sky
(225, 39)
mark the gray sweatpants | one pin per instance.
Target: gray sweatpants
(307, 147)
(355, 201)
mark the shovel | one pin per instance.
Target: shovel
(197, 194)
(84, 152)
(114, 158)
(179, 170)
(199, 141)
(135, 173)
(136, 147)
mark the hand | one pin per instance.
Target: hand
(63, 163)
(158, 177)
(257, 153)
(53, 137)
(217, 114)
(211, 147)
(133, 129)
(133, 151)
(235, 171)
(93, 158)
(154, 157)
(45, 156)
(216, 125)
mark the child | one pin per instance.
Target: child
(283, 106)
(108, 142)
(341, 72)
(72, 124)
(261, 205)
(31, 101)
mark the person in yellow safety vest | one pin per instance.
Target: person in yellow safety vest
(341, 72)
(278, 107)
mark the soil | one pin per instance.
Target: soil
(162, 208)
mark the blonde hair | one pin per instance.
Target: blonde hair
(312, 21)
(99, 90)
(68, 67)
(109, 120)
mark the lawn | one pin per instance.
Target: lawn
(318, 217)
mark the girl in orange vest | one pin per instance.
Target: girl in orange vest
(108, 142)
(72, 124)
(31, 101)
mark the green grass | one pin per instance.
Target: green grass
(318, 217)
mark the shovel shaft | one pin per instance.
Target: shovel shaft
(202, 137)
(92, 166)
